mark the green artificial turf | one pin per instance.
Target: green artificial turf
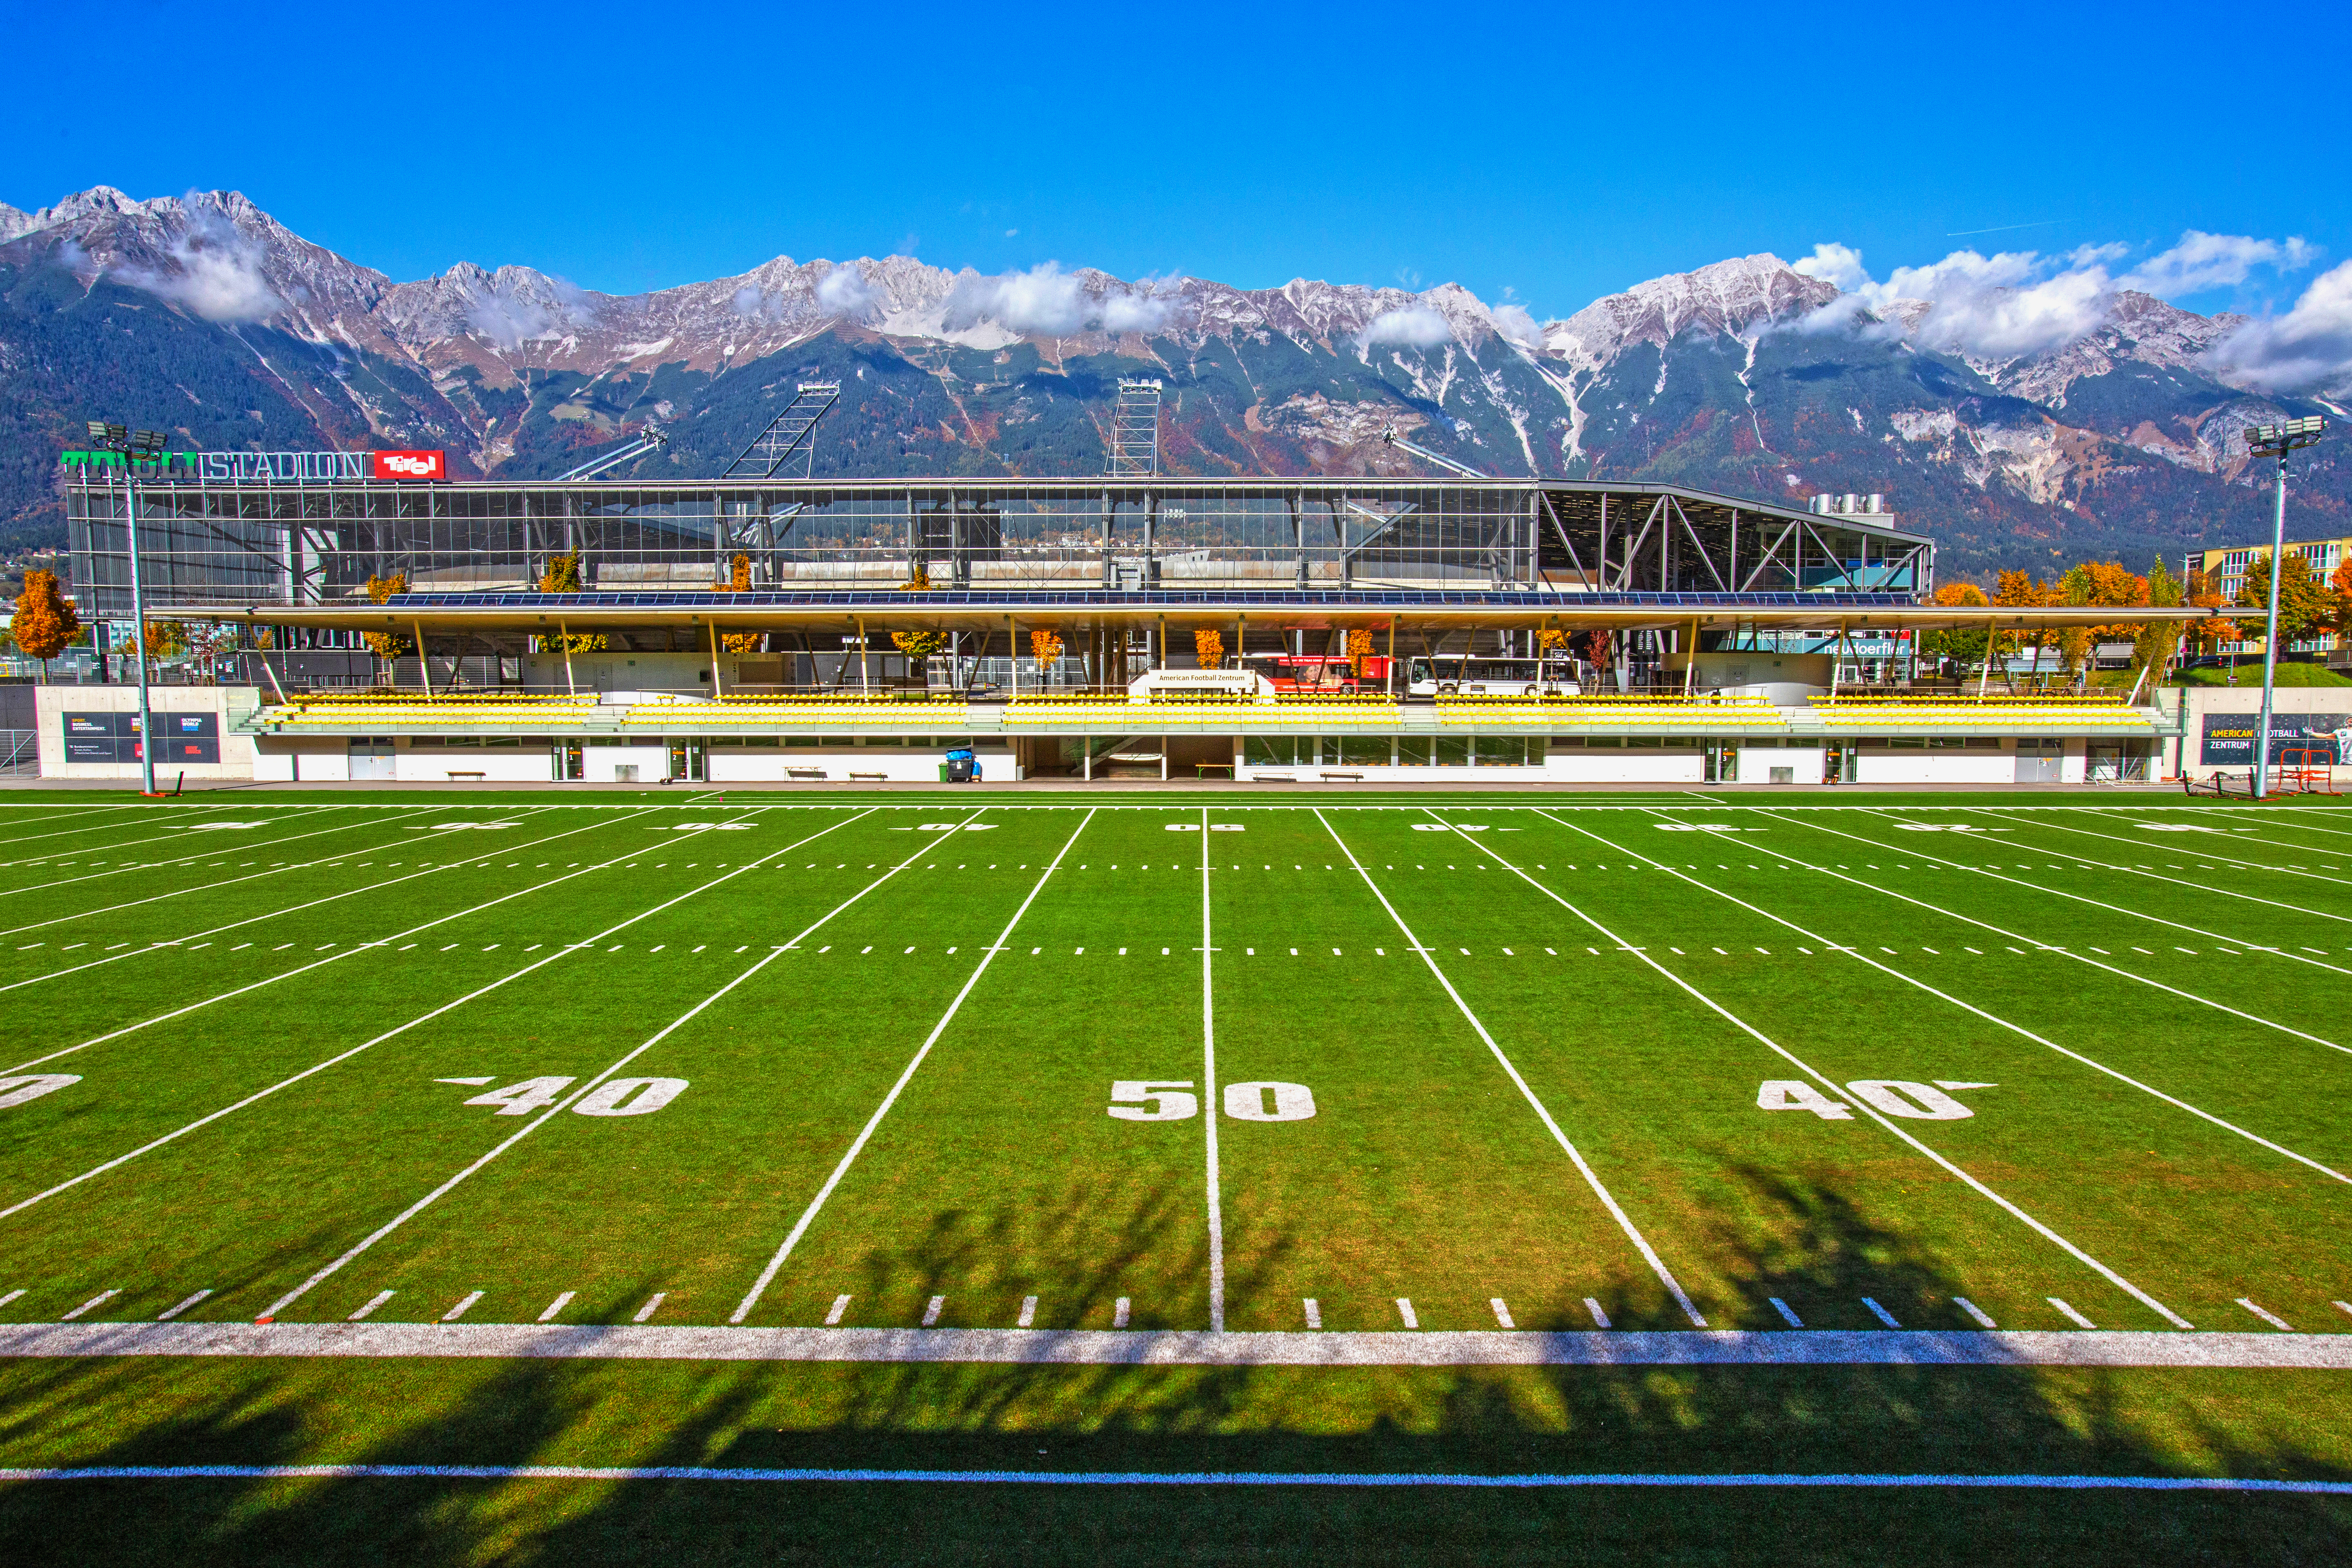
(1534, 1030)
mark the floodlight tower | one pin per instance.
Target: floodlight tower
(1135, 430)
(137, 446)
(2276, 441)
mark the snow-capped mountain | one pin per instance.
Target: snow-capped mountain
(206, 315)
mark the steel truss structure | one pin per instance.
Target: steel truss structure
(252, 544)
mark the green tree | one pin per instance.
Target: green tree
(47, 622)
(562, 576)
(380, 590)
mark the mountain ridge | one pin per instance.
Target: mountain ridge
(1749, 375)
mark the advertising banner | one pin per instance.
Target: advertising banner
(2229, 739)
(114, 737)
(411, 466)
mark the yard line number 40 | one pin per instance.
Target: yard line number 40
(1172, 1100)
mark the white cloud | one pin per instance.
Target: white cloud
(217, 272)
(2309, 348)
(1415, 326)
(844, 292)
(2202, 261)
(1046, 301)
(1837, 264)
(1519, 324)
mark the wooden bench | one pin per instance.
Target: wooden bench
(805, 772)
(464, 774)
(879, 778)
(1202, 770)
(1357, 778)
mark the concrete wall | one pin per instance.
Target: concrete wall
(236, 755)
(1936, 766)
(911, 764)
(1804, 763)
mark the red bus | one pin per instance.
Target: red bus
(1313, 672)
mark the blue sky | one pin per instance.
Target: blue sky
(1547, 156)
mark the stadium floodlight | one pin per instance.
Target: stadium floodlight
(135, 445)
(2275, 441)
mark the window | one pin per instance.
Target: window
(1364, 751)
(1412, 751)
(1269, 750)
(1453, 751)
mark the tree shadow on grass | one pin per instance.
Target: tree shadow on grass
(1906, 1420)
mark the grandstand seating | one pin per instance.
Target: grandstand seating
(2073, 713)
(1607, 711)
(391, 711)
(736, 712)
(1290, 714)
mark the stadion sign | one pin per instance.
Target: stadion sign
(293, 467)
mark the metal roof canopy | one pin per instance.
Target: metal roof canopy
(252, 542)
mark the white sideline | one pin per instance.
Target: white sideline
(184, 860)
(353, 950)
(1182, 1347)
(397, 1029)
(1209, 1102)
(2134, 1291)
(808, 1215)
(1996, 1020)
(233, 881)
(1624, 1221)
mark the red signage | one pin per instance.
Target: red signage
(411, 466)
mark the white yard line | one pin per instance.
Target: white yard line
(2009, 935)
(1790, 1056)
(2203, 850)
(170, 943)
(1209, 1101)
(398, 1029)
(69, 832)
(354, 951)
(816, 1204)
(2017, 1029)
(565, 1104)
(213, 846)
(1624, 1221)
(2253, 1348)
(1917, 853)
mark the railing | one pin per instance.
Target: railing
(20, 752)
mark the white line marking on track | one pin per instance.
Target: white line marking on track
(653, 1304)
(1215, 1197)
(1314, 1313)
(2071, 1315)
(1120, 1312)
(1404, 1311)
(1502, 1312)
(817, 1204)
(13, 1294)
(556, 1306)
(1880, 1313)
(2018, 1029)
(2273, 1319)
(378, 1300)
(1600, 1318)
(421, 1205)
(1624, 1221)
(1973, 1311)
(356, 1050)
(1028, 1311)
(1808, 1070)
(1787, 1316)
(932, 1310)
(170, 1313)
(102, 1297)
(840, 1305)
(464, 1305)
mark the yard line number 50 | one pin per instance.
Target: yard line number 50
(1172, 1100)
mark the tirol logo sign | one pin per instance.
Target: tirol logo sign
(411, 466)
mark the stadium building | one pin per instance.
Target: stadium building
(761, 627)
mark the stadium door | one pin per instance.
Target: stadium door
(686, 761)
(2038, 761)
(371, 759)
